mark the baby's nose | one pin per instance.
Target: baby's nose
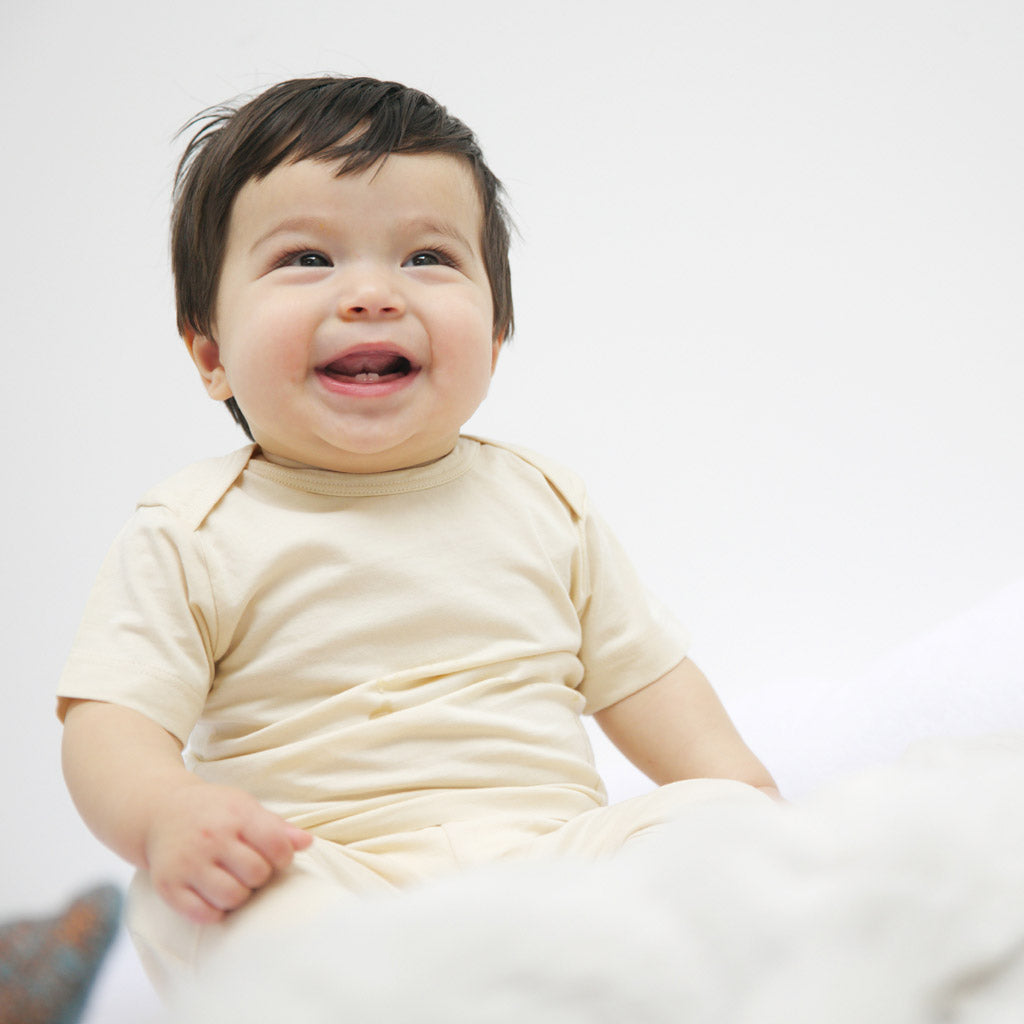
(369, 295)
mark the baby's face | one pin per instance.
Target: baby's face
(353, 322)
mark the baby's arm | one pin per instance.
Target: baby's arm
(205, 847)
(677, 728)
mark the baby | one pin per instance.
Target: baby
(372, 637)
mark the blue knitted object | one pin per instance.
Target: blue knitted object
(47, 967)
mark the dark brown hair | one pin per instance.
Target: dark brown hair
(355, 121)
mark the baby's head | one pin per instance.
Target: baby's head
(378, 141)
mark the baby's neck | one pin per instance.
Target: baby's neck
(280, 460)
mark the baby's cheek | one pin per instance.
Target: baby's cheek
(282, 358)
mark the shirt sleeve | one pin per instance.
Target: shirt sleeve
(629, 638)
(146, 638)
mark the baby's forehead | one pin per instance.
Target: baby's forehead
(444, 178)
(405, 190)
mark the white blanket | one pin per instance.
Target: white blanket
(894, 896)
(892, 893)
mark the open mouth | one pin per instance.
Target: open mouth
(368, 367)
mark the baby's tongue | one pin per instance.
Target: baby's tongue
(378, 364)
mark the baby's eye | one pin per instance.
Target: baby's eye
(312, 259)
(430, 258)
(304, 258)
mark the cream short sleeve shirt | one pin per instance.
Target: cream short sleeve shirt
(369, 654)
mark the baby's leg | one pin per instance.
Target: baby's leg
(172, 948)
(606, 830)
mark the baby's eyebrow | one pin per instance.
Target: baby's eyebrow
(411, 227)
(290, 224)
(432, 226)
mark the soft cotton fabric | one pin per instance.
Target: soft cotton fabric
(174, 950)
(381, 653)
(892, 897)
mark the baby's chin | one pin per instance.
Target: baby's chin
(363, 459)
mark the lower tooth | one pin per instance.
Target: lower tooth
(368, 378)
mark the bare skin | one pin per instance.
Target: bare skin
(677, 729)
(207, 848)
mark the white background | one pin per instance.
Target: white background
(768, 303)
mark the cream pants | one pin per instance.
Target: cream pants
(172, 948)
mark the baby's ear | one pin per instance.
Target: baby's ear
(205, 354)
(496, 351)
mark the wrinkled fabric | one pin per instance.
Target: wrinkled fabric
(893, 897)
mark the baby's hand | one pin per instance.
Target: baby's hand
(210, 847)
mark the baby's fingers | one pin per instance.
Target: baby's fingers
(248, 866)
(209, 897)
(299, 838)
(194, 907)
(275, 840)
(222, 890)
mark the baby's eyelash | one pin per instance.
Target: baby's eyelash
(446, 257)
(291, 256)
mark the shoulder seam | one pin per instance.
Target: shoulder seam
(564, 481)
(192, 493)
